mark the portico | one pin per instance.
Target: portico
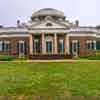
(46, 43)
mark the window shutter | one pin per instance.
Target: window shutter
(25, 46)
(3, 46)
(18, 48)
(71, 47)
(78, 47)
(93, 45)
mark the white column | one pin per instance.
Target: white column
(67, 44)
(94, 44)
(43, 44)
(55, 44)
(31, 44)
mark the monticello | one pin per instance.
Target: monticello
(49, 32)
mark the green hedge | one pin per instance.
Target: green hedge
(51, 56)
(6, 58)
(93, 56)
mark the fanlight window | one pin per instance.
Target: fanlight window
(48, 24)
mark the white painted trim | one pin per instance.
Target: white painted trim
(15, 35)
(35, 41)
(21, 41)
(97, 36)
(75, 53)
(62, 43)
(48, 31)
(81, 35)
(7, 42)
(74, 41)
(12, 30)
(27, 35)
(1, 45)
(5, 45)
(88, 41)
(94, 41)
(68, 34)
(50, 40)
(83, 29)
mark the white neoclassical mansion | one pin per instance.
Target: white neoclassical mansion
(48, 32)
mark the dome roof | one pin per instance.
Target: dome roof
(48, 12)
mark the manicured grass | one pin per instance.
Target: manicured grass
(54, 80)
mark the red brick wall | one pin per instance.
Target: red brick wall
(82, 50)
(13, 45)
(82, 40)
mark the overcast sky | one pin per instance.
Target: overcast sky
(86, 11)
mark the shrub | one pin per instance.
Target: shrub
(6, 58)
(92, 56)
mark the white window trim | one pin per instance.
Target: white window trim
(6, 43)
(21, 54)
(89, 41)
(62, 42)
(21, 41)
(52, 45)
(74, 41)
(92, 41)
(74, 52)
(35, 41)
(49, 39)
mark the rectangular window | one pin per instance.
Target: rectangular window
(36, 46)
(61, 46)
(91, 45)
(6, 46)
(94, 45)
(75, 47)
(21, 48)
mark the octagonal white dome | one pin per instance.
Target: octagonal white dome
(48, 12)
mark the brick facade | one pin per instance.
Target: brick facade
(13, 45)
(83, 50)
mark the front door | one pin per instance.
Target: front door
(49, 47)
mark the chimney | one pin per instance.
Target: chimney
(77, 23)
(18, 23)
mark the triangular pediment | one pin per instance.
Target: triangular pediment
(48, 24)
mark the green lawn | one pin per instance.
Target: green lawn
(54, 80)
